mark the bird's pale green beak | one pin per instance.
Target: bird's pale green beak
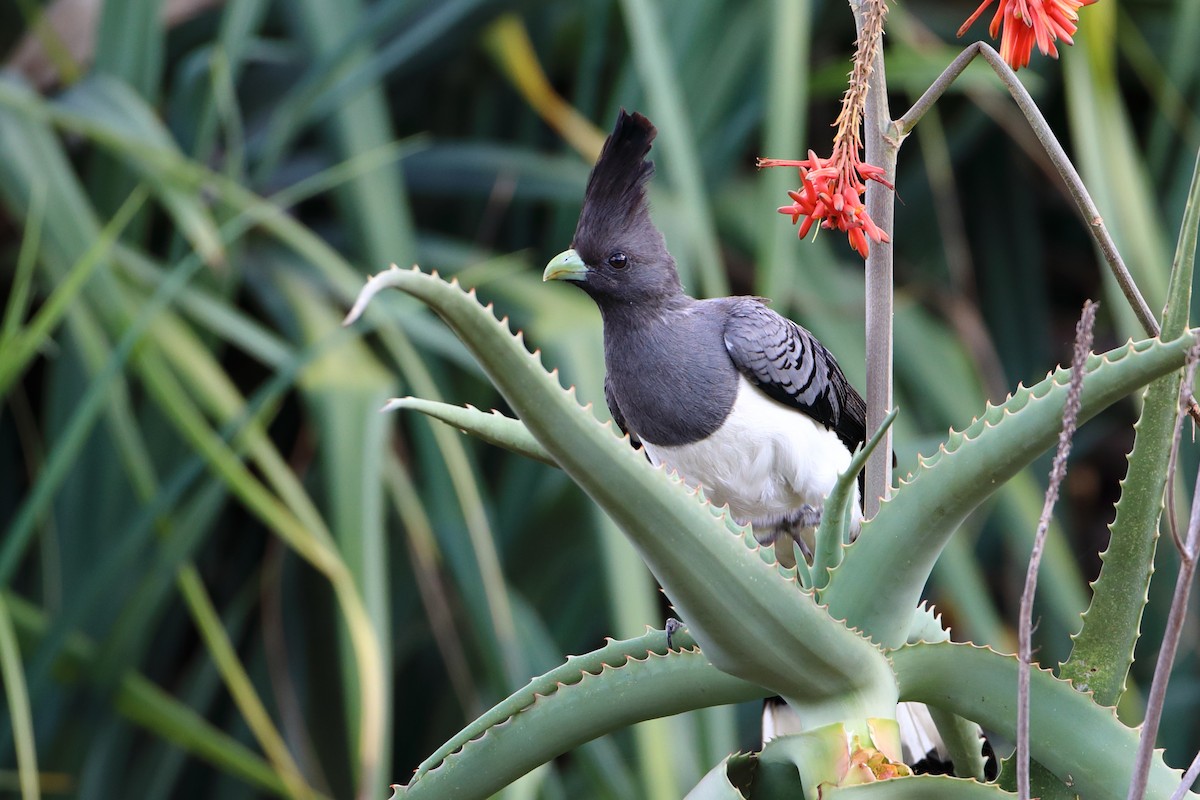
(566, 266)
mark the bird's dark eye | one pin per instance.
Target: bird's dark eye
(618, 260)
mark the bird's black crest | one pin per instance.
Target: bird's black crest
(616, 191)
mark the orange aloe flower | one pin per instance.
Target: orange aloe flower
(831, 189)
(1029, 22)
(830, 193)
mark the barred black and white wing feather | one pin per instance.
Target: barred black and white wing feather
(788, 364)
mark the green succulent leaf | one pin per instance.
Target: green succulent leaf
(1068, 728)
(573, 704)
(883, 572)
(1103, 651)
(749, 614)
(962, 737)
(834, 531)
(492, 427)
(920, 787)
(728, 780)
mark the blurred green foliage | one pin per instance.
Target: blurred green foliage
(202, 509)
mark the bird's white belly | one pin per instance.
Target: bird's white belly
(765, 461)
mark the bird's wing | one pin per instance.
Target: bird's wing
(791, 366)
(615, 411)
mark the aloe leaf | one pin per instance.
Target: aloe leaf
(962, 737)
(570, 705)
(1069, 727)
(834, 531)
(964, 743)
(1069, 730)
(920, 787)
(669, 752)
(1043, 784)
(722, 782)
(824, 757)
(492, 427)
(734, 598)
(1103, 650)
(883, 572)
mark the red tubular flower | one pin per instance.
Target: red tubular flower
(1029, 22)
(830, 193)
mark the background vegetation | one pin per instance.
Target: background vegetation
(202, 508)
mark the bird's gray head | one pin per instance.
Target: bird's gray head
(617, 255)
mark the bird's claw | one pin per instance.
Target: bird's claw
(769, 531)
(673, 626)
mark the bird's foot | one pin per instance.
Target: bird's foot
(771, 535)
(673, 626)
(769, 531)
(805, 516)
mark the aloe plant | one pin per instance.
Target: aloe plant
(838, 638)
(839, 655)
(224, 575)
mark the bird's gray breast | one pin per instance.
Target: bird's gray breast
(670, 374)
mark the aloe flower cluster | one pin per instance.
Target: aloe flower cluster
(830, 193)
(1023, 23)
(831, 189)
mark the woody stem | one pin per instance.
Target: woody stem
(881, 152)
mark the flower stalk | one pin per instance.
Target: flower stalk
(882, 149)
(831, 196)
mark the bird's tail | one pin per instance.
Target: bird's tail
(919, 737)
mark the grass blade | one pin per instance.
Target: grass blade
(20, 350)
(650, 49)
(18, 705)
